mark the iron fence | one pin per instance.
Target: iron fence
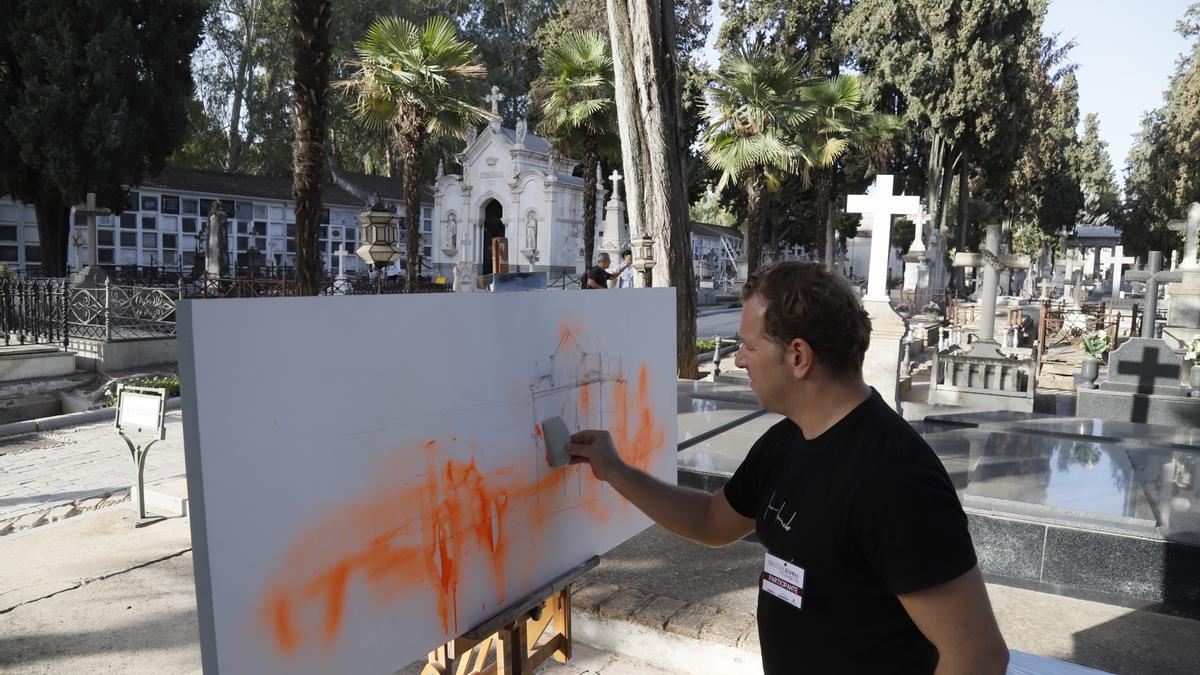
(34, 311)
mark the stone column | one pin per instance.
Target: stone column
(987, 297)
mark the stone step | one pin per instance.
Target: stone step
(30, 362)
(168, 498)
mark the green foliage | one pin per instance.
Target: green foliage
(1096, 343)
(706, 344)
(708, 209)
(1163, 169)
(1093, 167)
(1029, 239)
(93, 96)
(170, 383)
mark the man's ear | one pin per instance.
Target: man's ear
(799, 357)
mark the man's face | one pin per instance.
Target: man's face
(604, 263)
(628, 258)
(762, 357)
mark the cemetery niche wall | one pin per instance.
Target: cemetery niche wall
(353, 514)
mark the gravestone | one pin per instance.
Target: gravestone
(1119, 261)
(916, 262)
(983, 376)
(881, 365)
(216, 258)
(1183, 314)
(464, 277)
(91, 276)
(1143, 386)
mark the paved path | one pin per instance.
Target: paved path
(40, 472)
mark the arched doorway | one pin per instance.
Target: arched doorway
(493, 226)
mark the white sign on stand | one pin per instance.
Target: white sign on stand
(141, 412)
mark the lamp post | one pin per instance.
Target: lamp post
(643, 258)
(378, 237)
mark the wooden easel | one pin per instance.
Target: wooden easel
(515, 642)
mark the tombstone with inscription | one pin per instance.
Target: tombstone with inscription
(1143, 386)
(464, 277)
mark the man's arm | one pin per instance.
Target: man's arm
(957, 618)
(692, 514)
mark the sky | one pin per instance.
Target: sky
(1126, 51)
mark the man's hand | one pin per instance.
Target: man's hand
(596, 449)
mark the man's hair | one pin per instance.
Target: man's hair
(626, 252)
(603, 257)
(807, 301)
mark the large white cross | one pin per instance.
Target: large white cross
(616, 181)
(91, 211)
(342, 254)
(1190, 228)
(881, 205)
(1119, 261)
(495, 99)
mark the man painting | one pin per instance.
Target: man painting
(869, 565)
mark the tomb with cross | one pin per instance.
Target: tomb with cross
(1152, 276)
(616, 231)
(494, 99)
(1143, 384)
(1183, 314)
(881, 365)
(91, 276)
(1119, 261)
(916, 261)
(1068, 275)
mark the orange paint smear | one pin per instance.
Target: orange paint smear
(396, 541)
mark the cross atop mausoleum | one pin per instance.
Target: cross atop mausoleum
(495, 98)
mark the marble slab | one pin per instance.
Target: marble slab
(700, 416)
(1104, 430)
(723, 454)
(717, 391)
(977, 418)
(1091, 483)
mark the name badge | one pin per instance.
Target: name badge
(783, 580)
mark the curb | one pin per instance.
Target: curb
(666, 632)
(68, 420)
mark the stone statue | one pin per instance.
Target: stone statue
(553, 160)
(217, 253)
(441, 169)
(450, 238)
(522, 129)
(531, 231)
(472, 134)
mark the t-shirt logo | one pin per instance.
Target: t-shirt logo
(780, 512)
(783, 580)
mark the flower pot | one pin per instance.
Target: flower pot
(1090, 371)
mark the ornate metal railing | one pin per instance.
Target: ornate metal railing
(113, 312)
(34, 311)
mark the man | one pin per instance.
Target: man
(599, 276)
(869, 565)
(625, 274)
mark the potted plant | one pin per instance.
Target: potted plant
(1095, 344)
(1193, 355)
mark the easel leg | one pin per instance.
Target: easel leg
(562, 621)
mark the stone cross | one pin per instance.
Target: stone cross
(1153, 275)
(1069, 263)
(495, 98)
(342, 254)
(881, 205)
(1190, 228)
(91, 211)
(1119, 261)
(919, 221)
(992, 264)
(616, 181)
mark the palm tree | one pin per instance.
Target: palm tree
(414, 81)
(754, 110)
(577, 100)
(839, 124)
(310, 81)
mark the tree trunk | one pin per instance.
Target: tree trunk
(310, 81)
(591, 158)
(233, 158)
(825, 210)
(411, 149)
(648, 92)
(54, 226)
(963, 194)
(756, 190)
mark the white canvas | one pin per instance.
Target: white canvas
(365, 473)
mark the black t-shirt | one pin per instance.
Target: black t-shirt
(868, 512)
(599, 276)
